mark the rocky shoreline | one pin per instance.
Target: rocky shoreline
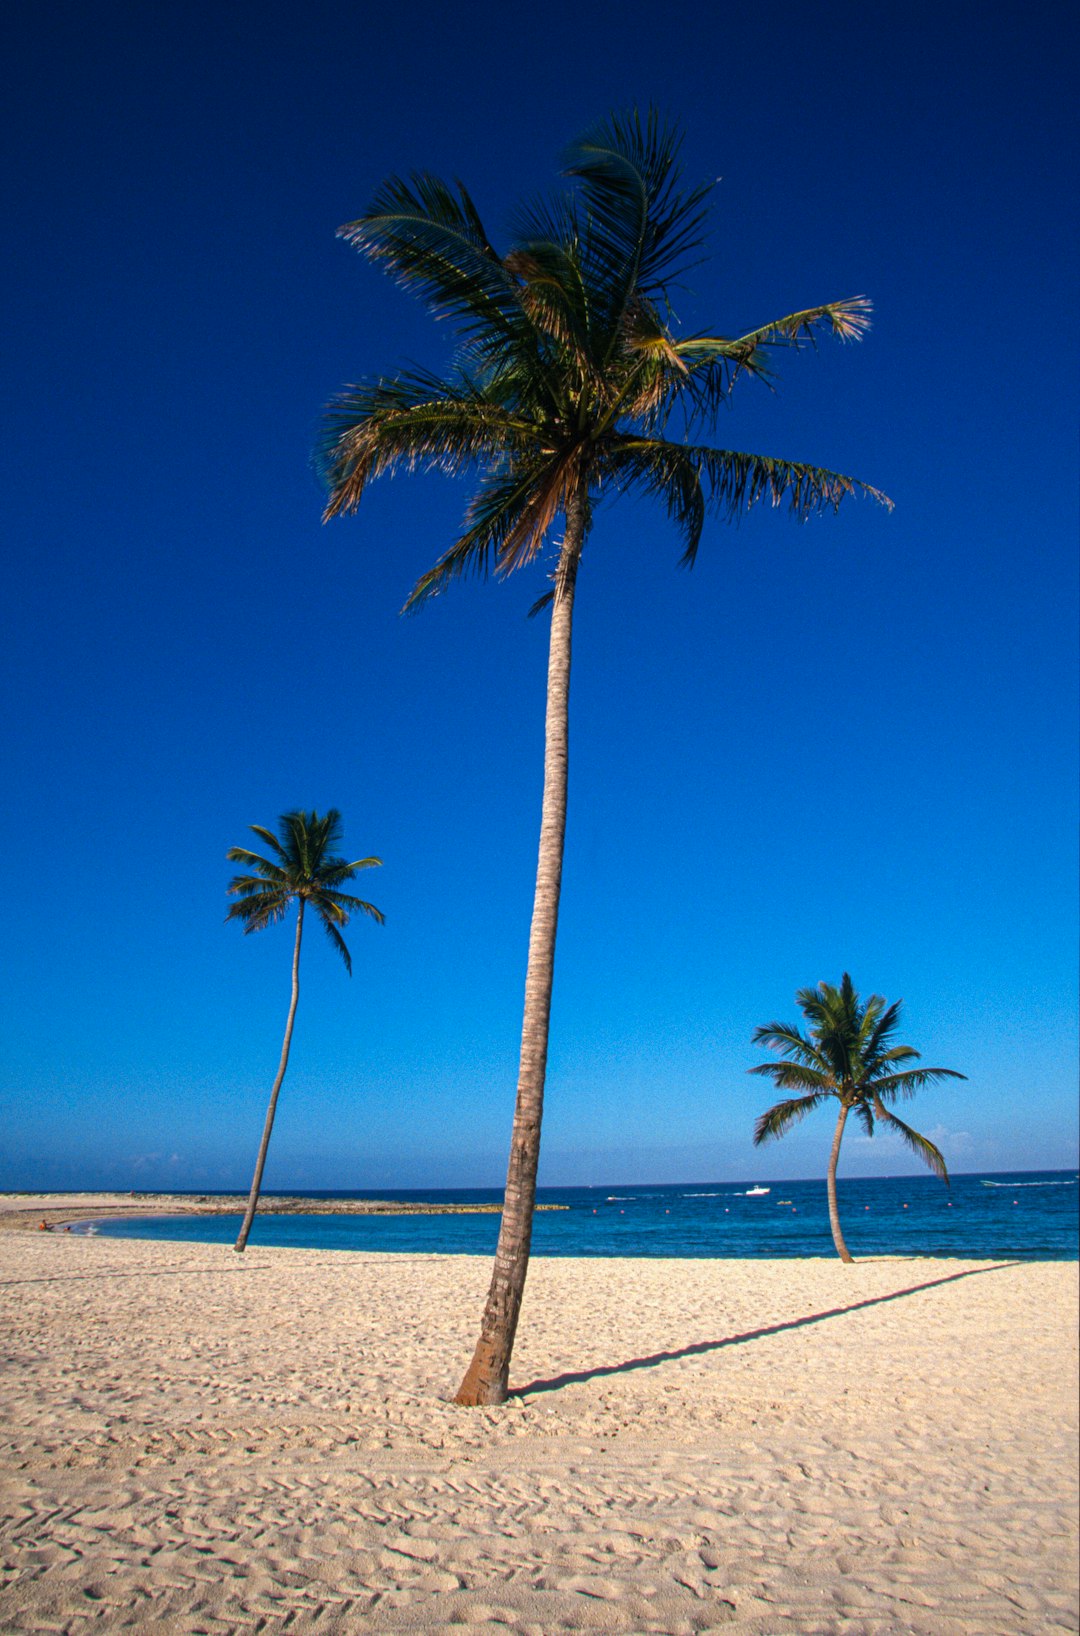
(25, 1212)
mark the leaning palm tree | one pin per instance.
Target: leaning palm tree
(847, 1054)
(568, 384)
(303, 871)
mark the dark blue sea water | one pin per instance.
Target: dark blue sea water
(1030, 1215)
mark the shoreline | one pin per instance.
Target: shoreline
(23, 1212)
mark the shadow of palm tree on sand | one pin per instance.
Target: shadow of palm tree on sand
(577, 1377)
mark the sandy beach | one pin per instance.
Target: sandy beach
(199, 1442)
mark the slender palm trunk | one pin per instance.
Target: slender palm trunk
(253, 1198)
(834, 1214)
(487, 1377)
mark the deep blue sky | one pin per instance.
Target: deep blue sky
(844, 745)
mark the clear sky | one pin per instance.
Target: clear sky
(843, 745)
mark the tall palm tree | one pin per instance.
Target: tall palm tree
(568, 376)
(304, 871)
(847, 1054)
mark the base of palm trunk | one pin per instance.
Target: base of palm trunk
(485, 1383)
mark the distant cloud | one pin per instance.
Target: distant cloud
(958, 1141)
(953, 1143)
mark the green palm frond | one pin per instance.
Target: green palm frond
(897, 1053)
(786, 1038)
(347, 905)
(509, 517)
(783, 1115)
(847, 320)
(417, 421)
(272, 842)
(792, 1076)
(553, 293)
(727, 480)
(267, 871)
(919, 1144)
(639, 228)
(863, 1111)
(665, 471)
(906, 1084)
(337, 941)
(259, 910)
(246, 885)
(880, 1023)
(715, 362)
(334, 871)
(738, 480)
(435, 244)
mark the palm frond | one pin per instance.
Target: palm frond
(268, 871)
(434, 243)
(786, 1038)
(336, 869)
(508, 519)
(245, 885)
(862, 1109)
(553, 293)
(846, 319)
(736, 481)
(879, 1023)
(259, 911)
(346, 905)
(665, 471)
(336, 939)
(794, 1076)
(417, 421)
(906, 1084)
(271, 840)
(639, 229)
(782, 1116)
(919, 1144)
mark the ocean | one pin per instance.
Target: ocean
(1030, 1215)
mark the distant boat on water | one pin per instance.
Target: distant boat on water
(756, 1192)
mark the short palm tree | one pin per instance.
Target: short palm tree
(847, 1054)
(568, 382)
(303, 871)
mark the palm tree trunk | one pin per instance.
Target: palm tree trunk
(253, 1197)
(487, 1377)
(834, 1214)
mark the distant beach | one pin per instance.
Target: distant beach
(197, 1441)
(24, 1212)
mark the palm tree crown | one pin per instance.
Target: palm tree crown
(847, 1054)
(303, 870)
(568, 369)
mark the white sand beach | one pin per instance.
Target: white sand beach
(199, 1442)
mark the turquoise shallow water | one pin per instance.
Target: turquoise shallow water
(1025, 1215)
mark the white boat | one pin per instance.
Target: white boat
(756, 1192)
